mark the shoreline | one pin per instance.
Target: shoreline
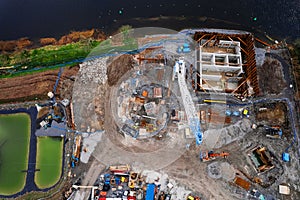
(169, 22)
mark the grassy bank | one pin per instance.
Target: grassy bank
(14, 151)
(49, 161)
(44, 57)
(49, 57)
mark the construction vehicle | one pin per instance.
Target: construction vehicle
(190, 197)
(210, 155)
(273, 131)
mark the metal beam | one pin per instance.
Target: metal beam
(201, 37)
(239, 86)
(242, 41)
(201, 87)
(262, 42)
(213, 37)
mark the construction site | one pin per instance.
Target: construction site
(165, 115)
(193, 108)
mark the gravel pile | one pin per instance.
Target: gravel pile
(88, 92)
(93, 71)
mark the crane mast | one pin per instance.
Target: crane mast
(188, 103)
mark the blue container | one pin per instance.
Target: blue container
(227, 112)
(186, 45)
(186, 50)
(118, 180)
(236, 113)
(179, 50)
(107, 179)
(150, 192)
(286, 157)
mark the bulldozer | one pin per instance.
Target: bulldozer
(210, 155)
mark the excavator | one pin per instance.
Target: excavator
(210, 155)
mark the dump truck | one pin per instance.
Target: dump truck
(210, 155)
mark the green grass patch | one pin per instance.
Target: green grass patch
(29, 72)
(49, 161)
(45, 58)
(48, 55)
(128, 44)
(14, 152)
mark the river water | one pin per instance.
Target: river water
(53, 18)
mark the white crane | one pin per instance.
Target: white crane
(190, 110)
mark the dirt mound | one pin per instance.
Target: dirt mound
(15, 45)
(76, 36)
(47, 41)
(271, 70)
(118, 68)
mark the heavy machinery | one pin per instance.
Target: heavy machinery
(190, 110)
(190, 197)
(210, 155)
(273, 131)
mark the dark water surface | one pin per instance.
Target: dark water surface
(53, 18)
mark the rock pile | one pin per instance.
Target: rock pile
(93, 71)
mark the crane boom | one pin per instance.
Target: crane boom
(188, 103)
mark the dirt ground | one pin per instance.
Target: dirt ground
(271, 76)
(118, 67)
(21, 88)
(171, 155)
(273, 114)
